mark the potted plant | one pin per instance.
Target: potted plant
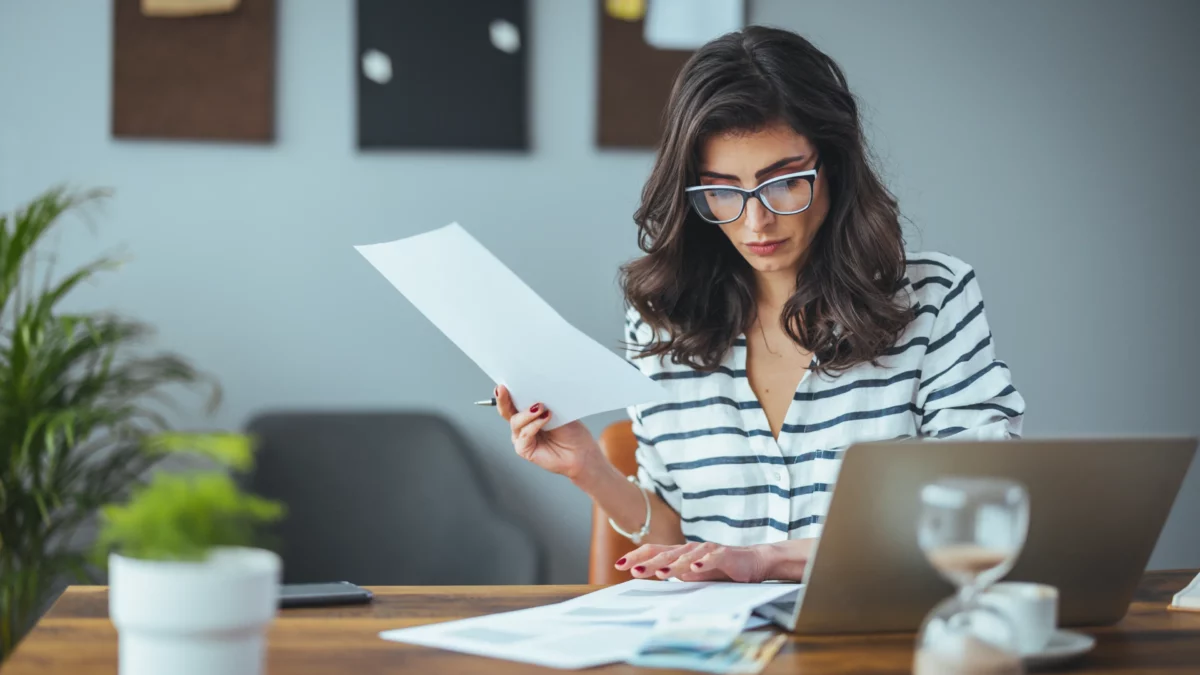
(187, 592)
(81, 411)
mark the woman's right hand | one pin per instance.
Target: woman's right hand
(568, 450)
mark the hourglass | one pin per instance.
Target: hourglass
(972, 531)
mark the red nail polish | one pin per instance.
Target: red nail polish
(621, 561)
(545, 413)
(639, 569)
(664, 569)
(698, 565)
(536, 407)
(496, 391)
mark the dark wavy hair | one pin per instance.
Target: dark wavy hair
(693, 286)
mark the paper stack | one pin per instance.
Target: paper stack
(680, 625)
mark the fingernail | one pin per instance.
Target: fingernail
(536, 407)
(698, 565)
(621, 562)
(496, 391)
(664, 569)
(639, 569)
(545, 413)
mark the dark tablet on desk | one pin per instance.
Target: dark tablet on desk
(323, 595)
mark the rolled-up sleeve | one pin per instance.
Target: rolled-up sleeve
(965, 390)
(652, 471)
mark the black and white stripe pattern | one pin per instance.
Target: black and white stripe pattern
(708, 451)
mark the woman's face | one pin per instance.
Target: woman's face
(768, 241)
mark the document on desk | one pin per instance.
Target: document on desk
(510, 332)
(607, 626)
(651, 601)
(530, 636)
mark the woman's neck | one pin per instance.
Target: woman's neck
(773, 290)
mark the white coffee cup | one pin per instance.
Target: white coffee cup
(1031, 608)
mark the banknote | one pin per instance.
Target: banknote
(685, 631)
(749, 654)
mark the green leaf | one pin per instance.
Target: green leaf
(178, 517)
(235, 451)
(29, 225)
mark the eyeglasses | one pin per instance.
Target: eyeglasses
(783, 195)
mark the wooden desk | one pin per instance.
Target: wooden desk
(76, 638)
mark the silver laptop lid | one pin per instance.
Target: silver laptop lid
(1097, 508)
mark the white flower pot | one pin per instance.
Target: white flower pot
(194, 618)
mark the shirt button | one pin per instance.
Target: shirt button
(778, 476)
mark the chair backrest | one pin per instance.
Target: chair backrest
(619, 446)
(387, 498)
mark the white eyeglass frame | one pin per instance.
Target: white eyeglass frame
(756, 193)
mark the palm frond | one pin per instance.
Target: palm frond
(29, 225)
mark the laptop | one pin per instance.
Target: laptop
(1096, 510)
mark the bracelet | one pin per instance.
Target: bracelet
(635, 537)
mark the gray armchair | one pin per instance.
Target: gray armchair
(385, 499)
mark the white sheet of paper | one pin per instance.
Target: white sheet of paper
(529, 636)
(689, 24)
(507, 329)
(646, 601)
(607, 626)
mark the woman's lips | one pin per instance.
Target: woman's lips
(764, 247)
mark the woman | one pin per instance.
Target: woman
(776, 305)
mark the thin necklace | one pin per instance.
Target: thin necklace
(762, 331)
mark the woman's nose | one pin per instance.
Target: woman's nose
(758, 217)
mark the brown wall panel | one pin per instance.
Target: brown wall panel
(635, 81)
(203, 78)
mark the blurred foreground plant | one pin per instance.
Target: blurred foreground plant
(77, 411)
(184, 517)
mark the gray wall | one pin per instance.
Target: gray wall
(1052, 145)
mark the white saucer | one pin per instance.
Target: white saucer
(1064, 646)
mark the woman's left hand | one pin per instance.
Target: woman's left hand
(714, 562)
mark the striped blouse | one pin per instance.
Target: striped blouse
(708, 452)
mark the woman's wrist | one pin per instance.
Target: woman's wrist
(786, 560)
(594, 472)
(625, 502)
(771, 557)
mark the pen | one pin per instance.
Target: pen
(491, 401)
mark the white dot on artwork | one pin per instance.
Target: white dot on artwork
(505, 36)
(377, 66)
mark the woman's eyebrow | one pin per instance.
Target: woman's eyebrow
(775, 166)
